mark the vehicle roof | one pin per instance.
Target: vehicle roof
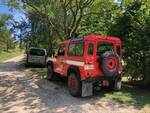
(95, 38)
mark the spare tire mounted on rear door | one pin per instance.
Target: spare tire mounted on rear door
(110, 63)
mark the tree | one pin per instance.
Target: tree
(133, 29)
(6, 41)
(52, 20)
(64, 16)
(100, 17)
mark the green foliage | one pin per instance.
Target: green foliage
(51, 21)
(133, 27)
(100, 18)
(130, 96)
(10, 54)
(6, 42)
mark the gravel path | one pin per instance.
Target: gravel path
(23, 92)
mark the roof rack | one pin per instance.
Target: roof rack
(76, 37)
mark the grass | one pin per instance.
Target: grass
(130, 95)
(10, 54)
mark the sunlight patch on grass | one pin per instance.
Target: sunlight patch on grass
(130, 96)
(10, 54)
(121, 97)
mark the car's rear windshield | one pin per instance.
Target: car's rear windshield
(104, 46)
(37, 52)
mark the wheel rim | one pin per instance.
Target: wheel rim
(111, 63)
(72, 84)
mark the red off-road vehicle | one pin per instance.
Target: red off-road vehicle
(88, 62)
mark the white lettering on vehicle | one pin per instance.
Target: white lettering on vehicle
(77, 63)
(73, 62)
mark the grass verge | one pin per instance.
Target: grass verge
(10, 54)
(130, 95)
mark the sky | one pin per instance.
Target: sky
(17, 14)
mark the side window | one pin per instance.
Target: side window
(79, 49)
(104, 46)
(71, 51)
(76, 49)
(61, 51)
(90, 49)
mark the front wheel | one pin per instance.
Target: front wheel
(74, 85)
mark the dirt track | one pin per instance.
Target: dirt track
(22, 92)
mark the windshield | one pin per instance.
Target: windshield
(37, 52)
(104, 46)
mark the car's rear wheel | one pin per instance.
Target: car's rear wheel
(74, 85)
(50, 72)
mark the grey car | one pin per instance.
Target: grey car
(36, 56)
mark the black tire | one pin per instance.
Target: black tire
(75, 90)
(115, 84)
(50, 73)
(111, 84)
(110, 63)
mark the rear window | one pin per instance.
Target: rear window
(76, 49)
(37, 52)
(103, 47)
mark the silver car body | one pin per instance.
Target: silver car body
(36, 56)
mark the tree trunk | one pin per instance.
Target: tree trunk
(7, 45)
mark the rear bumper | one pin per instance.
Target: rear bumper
(36, 64)
(101, 78)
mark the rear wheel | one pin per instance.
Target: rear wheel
(74, 85)
(50, 73)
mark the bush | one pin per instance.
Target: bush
(134, 29)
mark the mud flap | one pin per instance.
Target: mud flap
(118, 84)
(87, 88)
